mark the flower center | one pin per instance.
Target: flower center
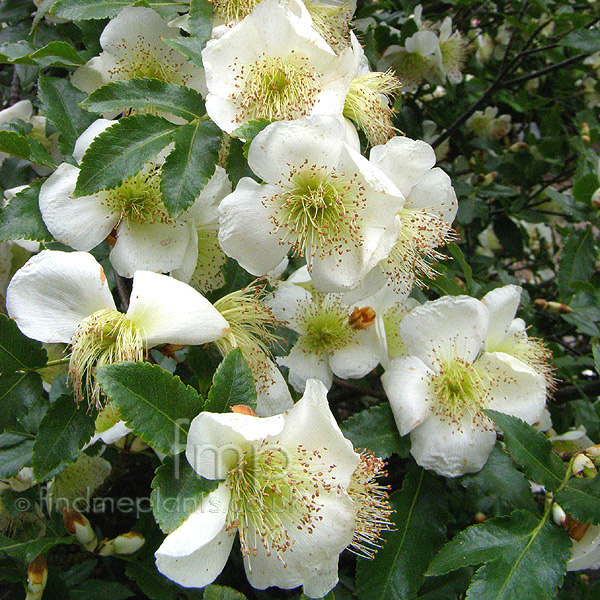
(332, 21)
(367, 103)
(139, 198)
(273, 489)
(459, 388)
(319, 210)
(453, 53)
(276, 89)
(232, 11)
(103, 338)
(325, 321)
(420, 233)
(373, 509)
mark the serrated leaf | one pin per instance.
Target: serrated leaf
(190, 165)
(98, 589)
(398, 569)
(236, 165)
(581, 499)
(21, 217)
(18, 392)
(143, 93)
(202, 15)
(21, 146)
(501, 482)
(374, 429)
(59, 100)
(121, 151)
(190, 47)
(16, 452)
(57, 54)
(177, 490)
(88, 9)
(578, 260)
(458, 255)
(233, 384)
(531, 450)
(249, 131)
(17, 352)
(41, 12)
(28, 550)
(523, 556)
(220, 592)
(63, 432)
(156, 405)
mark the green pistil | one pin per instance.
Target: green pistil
(319, 210)
(459, 390)
(325, 321)
(139, 198)
(104, 338)
(275, 89)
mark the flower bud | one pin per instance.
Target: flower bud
(584, 466)
(37, 576)
(242, 409)
(593, 452)
(77, 525)
(596, 199)
(128, 543)
(558, 514)
(107, 548)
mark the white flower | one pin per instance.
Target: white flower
(453, 49)
(333, 337)
(132, 47)
(274, 65)
(438, 391)
(586, 551)
(62, 297)
(331, 18)
(321, 199)
(146, 237)
(425, 219)
(294, 490)
(487, 124)
(509, 335)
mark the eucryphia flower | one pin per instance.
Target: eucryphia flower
(486, 123)
(63, 297)
(133, 47)
(425, 220)
(333, 337)
(439, 390)
(273, 65)
(146, 237)
(321, 199)
(453, 49)
(291, 486)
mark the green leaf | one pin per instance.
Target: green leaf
(236, 165)
(220, 592)
(397, 571)
(531, 450)
(581, 499)
(501, 483)
(41, 12)
(578, 259)
(154, 585)
(190, 165)
(157, 406)
(88, 9)
(177, 490)
(523, 556)
(458, 255)
(18, 392)
(21, 217)
(28, 550)
(202, 15)
(190, 47)
(233, 384)
(57, 54)
(596, 354)
(59, 100)
(17, 352)
(585, 40)
(121, 151)
(374, 429)
(140, 94)
(249, 131)
(24, 147)
(16, 452)
(98, 589)
(63, 432)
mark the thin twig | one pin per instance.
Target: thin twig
(554, 67)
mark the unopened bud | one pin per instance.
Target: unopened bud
(480, 517)
(583, 466)
(518, 146)
(242, 409)
(77, 525)
(558, 514)
(128, 543)
(107, 548)
(596, 199)
(553, 307)
(489, 178)
(593, 451)
(37, 576)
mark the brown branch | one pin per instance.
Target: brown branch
(554, 67)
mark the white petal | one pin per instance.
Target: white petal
(245, 230)
(94, 74)
(22, 110)
(114, 434)
(502, 303)
(81, 223)
(452, 449)
(87, 137)
(435, 195)
(359, 357)
(216, 441)
(272, 393)
(171, 312)
(304, 366)
(195, 553)
(309, 423)
(406, 382)
(190, 260)
(54, 291)
(453, 326)
(287, 303)
(323, 579)
(404, 161)
(150, 246)
(586, 552)
(515, 388)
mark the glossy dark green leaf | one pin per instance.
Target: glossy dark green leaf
(578, 259)
(21, 217)
(24, 147)
(18, 352)
(581, 499)
(202, 14)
